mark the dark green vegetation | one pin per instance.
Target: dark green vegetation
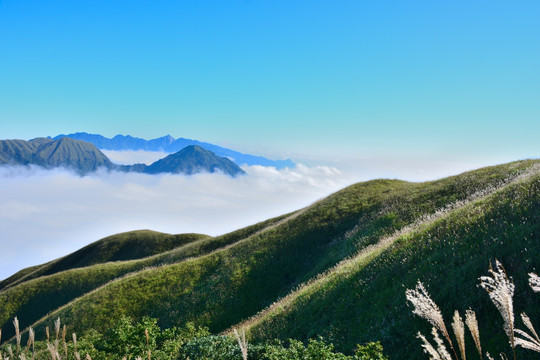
(80, 156)
(194, 159)
(449, 231)
(84, 158)
(146, 340)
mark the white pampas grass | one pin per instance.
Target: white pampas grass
(531, 342)
(242, 342)
(501, 291)
(472, 324)
(427, 309)
(459, 331)
(441, 349)
(534, 282)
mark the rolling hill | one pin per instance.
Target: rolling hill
(338, 268)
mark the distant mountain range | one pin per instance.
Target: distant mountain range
(171, 145)
(84, 157)
(80, 156)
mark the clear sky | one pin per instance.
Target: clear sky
(370, 88)
(335, 77)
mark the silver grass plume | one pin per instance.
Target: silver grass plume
(57, 327)
(459, 330)
(242, 342)
(472, 324)
(74, 336)
(17, 333)
(528, 342)
(501, 291)
(441, 349)
(428, 348)
(31, 339)
(427, 309)
(54, 352)
(534, 282)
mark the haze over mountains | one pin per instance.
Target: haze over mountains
(171, 145)
(84, 157)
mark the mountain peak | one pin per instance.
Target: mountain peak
(193, 159)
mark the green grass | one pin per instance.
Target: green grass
(221, 288)
(367, 301)
(30, 299)
(120, 247)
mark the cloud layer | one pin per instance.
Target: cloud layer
(45, 214)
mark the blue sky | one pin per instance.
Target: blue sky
(335, 78)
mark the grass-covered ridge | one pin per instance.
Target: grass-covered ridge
(364, 298)
(120, 247)
(32, 299)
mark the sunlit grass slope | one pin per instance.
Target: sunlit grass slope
(364, 299)
(30, 299)
(125, 246)
(221, 288)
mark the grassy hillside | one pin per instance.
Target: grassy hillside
(120, 247)
(30, 299)
(221, 288)
(364, 299)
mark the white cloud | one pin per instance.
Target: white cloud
(45, 214)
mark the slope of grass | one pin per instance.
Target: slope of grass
(120, 247)
(366, 301)
(223, 287)
(33, 298)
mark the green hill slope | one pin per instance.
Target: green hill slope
(30, 299)
(120, 247)
(363, 299)
(223, 287)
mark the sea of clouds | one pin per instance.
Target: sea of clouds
(45, 214)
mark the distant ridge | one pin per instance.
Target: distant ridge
(84, 157)
(80, 156)
(171, 145)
